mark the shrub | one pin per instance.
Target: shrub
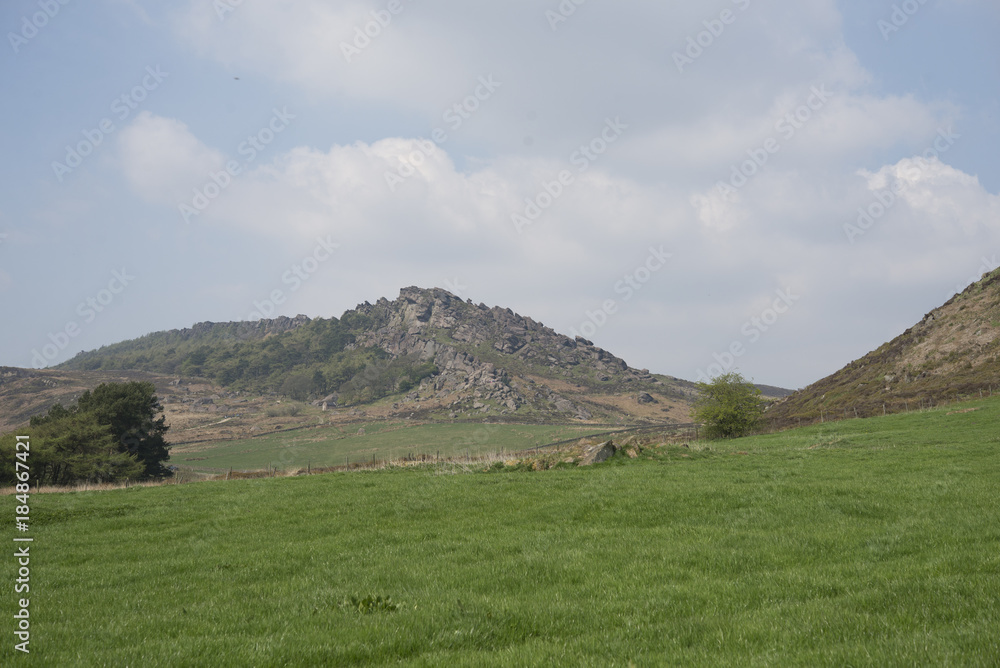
(729, 406)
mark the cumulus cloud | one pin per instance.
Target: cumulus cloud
(748, 166)
(162, 160)
(782, 230)
(949, 200)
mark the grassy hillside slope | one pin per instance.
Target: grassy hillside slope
(954, 352)
(865, 542)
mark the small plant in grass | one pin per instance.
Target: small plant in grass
(370, 604)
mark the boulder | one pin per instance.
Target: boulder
(596, 454)
(564, 405)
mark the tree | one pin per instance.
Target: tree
(77, 447)
(68, 446)
(112, 433)
(130, 411)
(297, 386)
(729, 406)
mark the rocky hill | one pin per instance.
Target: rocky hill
(953, 352)
(505, 360)
(425, 355)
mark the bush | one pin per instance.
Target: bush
(286, 410)
(729, 406)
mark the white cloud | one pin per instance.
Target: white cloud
(162, 160)
(657, 186)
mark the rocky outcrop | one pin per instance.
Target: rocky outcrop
(473, 347)
(458, 336)
(595, 454)
(246, 330)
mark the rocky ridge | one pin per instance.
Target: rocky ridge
(496, 355)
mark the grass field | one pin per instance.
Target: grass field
(866, 542)
(338, 445)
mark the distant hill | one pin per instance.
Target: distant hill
(953, 352)
(772, 392)
(427, 353)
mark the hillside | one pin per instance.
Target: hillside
(425, 355)
(953, 352)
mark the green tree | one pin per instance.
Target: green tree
(729, 406)
(66, 447)
(78, 447)
(297, 386)
(130, 411)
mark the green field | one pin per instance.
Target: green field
(865, 543)
(338, 445)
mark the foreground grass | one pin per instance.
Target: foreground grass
(869, 542)
(338, 445)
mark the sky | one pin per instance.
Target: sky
(770, 187)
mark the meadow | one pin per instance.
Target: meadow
(361, 442)
(863, 542)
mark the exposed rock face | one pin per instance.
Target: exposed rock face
(596, 454)
(461, 339)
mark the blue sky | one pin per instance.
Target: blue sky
(104, 251)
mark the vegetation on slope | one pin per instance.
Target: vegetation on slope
(311, 360)
(954, 352)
